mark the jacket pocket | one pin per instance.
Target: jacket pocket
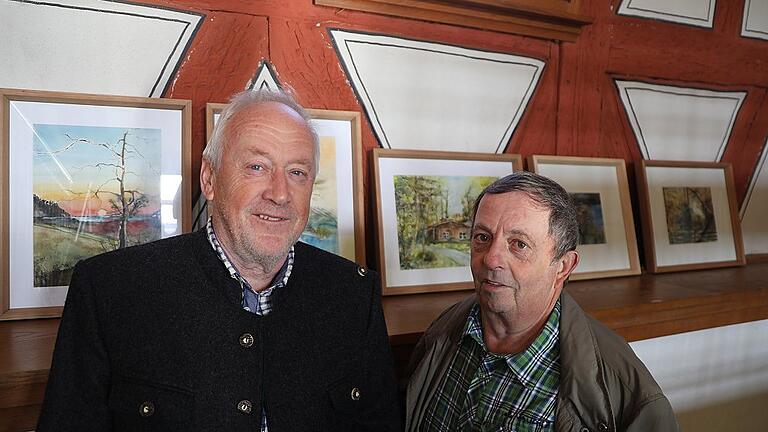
(138, 405)
(347, 398)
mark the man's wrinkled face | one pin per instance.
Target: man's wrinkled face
(262, 187)
(512, 262)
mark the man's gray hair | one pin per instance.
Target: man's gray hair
(249, 98)
(563, 225)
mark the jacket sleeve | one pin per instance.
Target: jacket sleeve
(654, 416)
(78, 385)
(382, 413)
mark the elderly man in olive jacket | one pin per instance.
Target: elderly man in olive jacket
(519, 354)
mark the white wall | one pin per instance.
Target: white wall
(711, 376)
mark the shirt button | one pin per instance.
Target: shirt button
(244, 406)
(246, 340)
(355, 394)
(146, 409)
(362, 271)
(602, 427)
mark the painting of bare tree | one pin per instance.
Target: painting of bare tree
(95, 189)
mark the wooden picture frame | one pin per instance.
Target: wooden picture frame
(689, 215)
(420, 250)
(599, 187)
(341, 131)
(83, 174)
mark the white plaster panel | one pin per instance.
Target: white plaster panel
(431, 96)
(755, 21)
(91, 46)
(705, 367)
(265, 78)
(754, 209)
(698, 13)
(679, 123)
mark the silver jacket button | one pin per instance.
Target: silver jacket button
(362, 271)
(146, 409)
(246, 340)
(355, 394)
(244, 406)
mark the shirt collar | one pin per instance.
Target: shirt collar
(545, 345)
(280, 279)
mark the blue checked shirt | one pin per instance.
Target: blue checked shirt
(258, 303)
(483, 391)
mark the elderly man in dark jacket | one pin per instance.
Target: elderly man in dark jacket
(519, 354)
(237, 327)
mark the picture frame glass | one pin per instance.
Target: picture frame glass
(595, 191)
(690, 212)
(331, 224)
(425, 212)
(86, 179)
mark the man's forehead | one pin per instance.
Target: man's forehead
(515, 211)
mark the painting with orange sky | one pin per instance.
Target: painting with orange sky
(322, 226)
(79, 210)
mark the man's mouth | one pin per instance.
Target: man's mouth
(493, 283)
(270, 218)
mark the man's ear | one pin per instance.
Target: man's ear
(206, 179)
(565, 265)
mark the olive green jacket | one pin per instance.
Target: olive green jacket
(603, 385)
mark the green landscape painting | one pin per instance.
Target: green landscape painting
(434, 219)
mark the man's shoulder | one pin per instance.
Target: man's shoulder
(316, 260)
(618, 359)
(158, 251)
(452, 319)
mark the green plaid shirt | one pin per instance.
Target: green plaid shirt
(483, 391)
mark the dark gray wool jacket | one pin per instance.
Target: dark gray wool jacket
(603, 385)
(153, 338)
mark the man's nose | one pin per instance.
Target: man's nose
(494, 256)
(277, 191)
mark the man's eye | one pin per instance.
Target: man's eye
(256, 167)
(480, 237)
(520, 244)
(299, 173)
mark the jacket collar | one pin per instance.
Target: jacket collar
(583, 387)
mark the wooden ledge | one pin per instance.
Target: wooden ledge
(636, 307)
(546, 19)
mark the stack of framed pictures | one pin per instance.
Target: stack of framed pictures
(82, 175)
(607, 242)
(424, 204)
(689, 215)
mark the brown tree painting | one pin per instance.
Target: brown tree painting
(95, 189)
(690, 214)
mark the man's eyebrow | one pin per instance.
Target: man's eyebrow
(525, 236)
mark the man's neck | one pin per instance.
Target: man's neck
(258, 275)
(503, 335)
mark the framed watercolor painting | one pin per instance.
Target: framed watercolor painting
(424, 206)
(336, 211)
(82, 175)
(599, 188)
(689, 215)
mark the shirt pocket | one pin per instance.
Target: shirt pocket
(140, 405)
